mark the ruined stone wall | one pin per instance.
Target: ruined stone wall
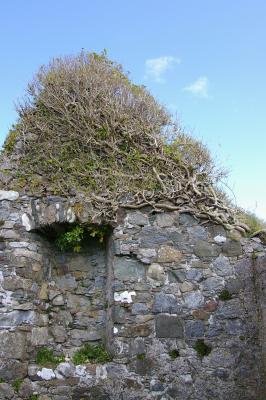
(161, 286)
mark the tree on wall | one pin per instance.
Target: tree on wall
(85, 128)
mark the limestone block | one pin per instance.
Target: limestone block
(232, 248)
(128, 269)
(13, 345)
(168, 254)
(168, 326)
(166, 303)
(204, 249)
(8, 195)
(39, 336)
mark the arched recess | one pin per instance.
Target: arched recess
(75, 284)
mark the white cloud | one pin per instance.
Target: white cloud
(199, 87)
(156, 67)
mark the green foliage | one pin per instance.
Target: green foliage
(87, 127)
(46, 358)
(91, 354)
(11, 140)
(34, 397)
(17, 384)
(225, 295)
(141, 356)
(252, 221)
(2, 380)
(202, 348)
(98, 231)
(174, 354)
(71, 240)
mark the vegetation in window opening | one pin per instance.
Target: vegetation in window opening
(72, 239)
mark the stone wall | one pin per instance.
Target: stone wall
(161, 289)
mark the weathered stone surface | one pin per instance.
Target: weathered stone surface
(11, 369)
(6, 391)
(137, 218)
(152, 237)
(213, 285)
(197, 232)
(194, 329)
(168, 326)
(16, 318)
(206, 250)
(165, 220)
(232, 248)
(168, 254)
(186, 287)
(77, 303)
(165, 303)
(126, 269)
(139, 308)
(137, 330)
(193, 299)
(8, 195)
(222, 266)
(156, 272)
(13, 345)
(200, 314)
(59, 333)
(39, 336)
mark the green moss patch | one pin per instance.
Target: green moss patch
(202, 348)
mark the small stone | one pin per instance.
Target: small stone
(186, 287)
(194, 329)
(165, 220)
(139, 308)
(166, 303)
(127, 268)
(156, 272)
(43, 293)
(204, 249)
(168, 254)
(222, 266)
(213, 285)
(168, 326)
(124, 297)
(200, 314)
(219, 239)
(140, 330)
(6, 391)
(197, 232)
(211, 306)
(13, 345)
(46, 374)
(58, 300)
(8, 195)
(39, 336)
(65, 370)
(193, 299)
(137, 218)
(232, 248)
(59, 333)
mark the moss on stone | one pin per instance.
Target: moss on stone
(93, 354)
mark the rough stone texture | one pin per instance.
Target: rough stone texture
(150, 293)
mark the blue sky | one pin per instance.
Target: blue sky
(205, 60)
